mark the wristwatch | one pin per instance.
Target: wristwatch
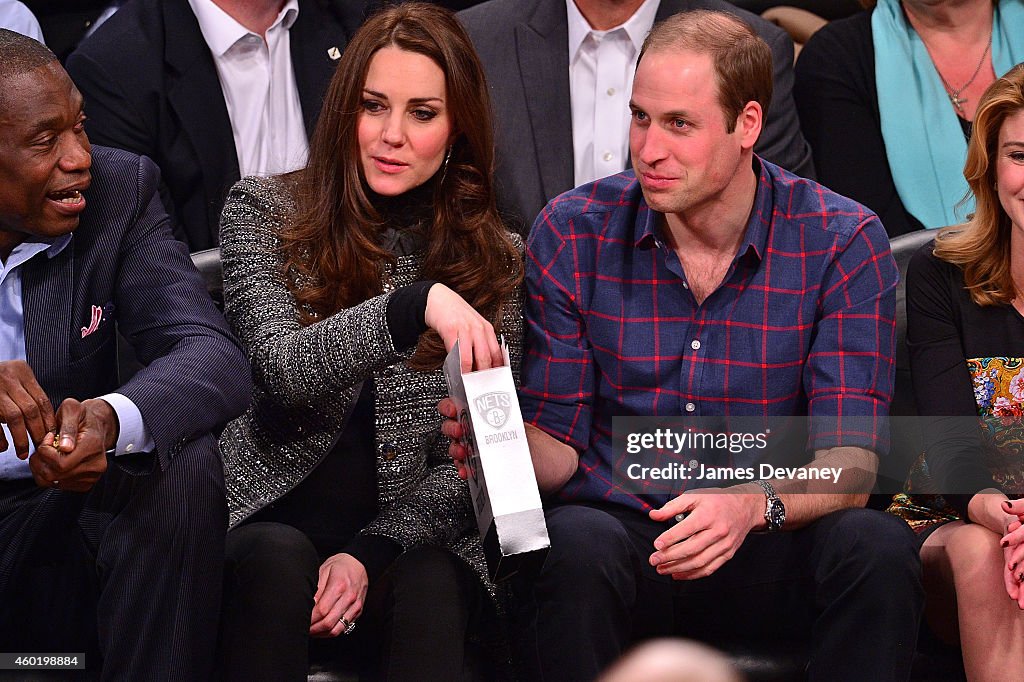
(774, 510)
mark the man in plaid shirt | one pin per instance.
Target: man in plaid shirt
(708, 282)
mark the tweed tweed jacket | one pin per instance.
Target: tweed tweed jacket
(307, 378)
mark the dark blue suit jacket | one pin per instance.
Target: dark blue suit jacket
(124, 259)
(151, 87)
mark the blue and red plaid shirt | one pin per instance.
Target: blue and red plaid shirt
(802, 324)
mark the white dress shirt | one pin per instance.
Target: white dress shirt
(259, 88)
(133, 436)
(601, 65)
(19, 18)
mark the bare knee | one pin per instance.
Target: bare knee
(973, 551)
(976, 563)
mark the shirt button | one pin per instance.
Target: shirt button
(610, 91)
(695, 344)
(607, 156)
(686, 285)
(388, 451)
(129, 447)
(690, 407)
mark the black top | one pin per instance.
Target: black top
(351, 464)
(837, 101)
(965, 126)
(945, 328)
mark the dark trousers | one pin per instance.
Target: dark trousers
(414, 624)
(850, 583)
(129, 572)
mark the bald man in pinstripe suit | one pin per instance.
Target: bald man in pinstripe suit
(112, 512)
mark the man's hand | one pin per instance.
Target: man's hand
(24, 407)
(76, 457)
(340, 593)
(554, 462)
(716, 524)
(452, 429)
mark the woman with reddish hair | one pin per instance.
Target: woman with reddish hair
(965, 333)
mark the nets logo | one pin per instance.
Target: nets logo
(494, 407)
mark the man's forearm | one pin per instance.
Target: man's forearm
(809, 499)
(554, 462)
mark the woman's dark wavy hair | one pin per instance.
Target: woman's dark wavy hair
(333, 255)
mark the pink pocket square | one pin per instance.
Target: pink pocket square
(94, 323)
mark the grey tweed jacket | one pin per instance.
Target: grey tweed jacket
(307, 378)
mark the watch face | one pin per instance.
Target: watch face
(776, 515)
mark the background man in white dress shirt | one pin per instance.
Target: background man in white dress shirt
(19, 18)
(560, 73)
(212, 90)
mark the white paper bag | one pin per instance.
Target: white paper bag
(502, 481)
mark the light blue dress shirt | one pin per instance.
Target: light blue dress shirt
(19, 18)
(133, 436)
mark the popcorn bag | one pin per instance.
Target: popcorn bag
(501, 477)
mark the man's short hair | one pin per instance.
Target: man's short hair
(20, 54)
(741, 59)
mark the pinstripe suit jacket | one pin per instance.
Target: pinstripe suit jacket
(123, 259)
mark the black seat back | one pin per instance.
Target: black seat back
(208, 264)
(905, 437)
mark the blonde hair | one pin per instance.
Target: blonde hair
(981, 246)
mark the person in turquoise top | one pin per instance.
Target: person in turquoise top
(886, 99)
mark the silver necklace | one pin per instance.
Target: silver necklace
(954, 93)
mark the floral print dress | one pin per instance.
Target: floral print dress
(999, 393)
(967, 368)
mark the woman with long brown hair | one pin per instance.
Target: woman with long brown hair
(965, 333)
(347, 282)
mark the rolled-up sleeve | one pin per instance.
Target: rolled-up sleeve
(558, 368)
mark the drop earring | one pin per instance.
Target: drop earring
(444, 164)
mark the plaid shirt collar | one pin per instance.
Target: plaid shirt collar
(648, 222)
